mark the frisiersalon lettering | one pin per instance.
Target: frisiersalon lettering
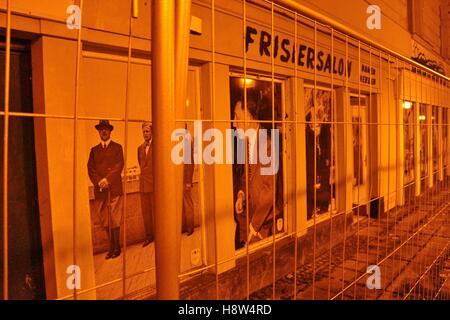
(305, 56)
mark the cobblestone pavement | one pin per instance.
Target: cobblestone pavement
(411, 245)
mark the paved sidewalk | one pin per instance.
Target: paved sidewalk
(411, 245)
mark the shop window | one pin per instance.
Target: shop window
(434, 126)
(408, 142)
(423, 146)
(359, 115)
(257, 193)
(193, 254)
(444, 124)
(320, 152)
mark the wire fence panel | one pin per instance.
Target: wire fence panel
(310, 162)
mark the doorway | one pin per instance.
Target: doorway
(25, 264)
(360, 150)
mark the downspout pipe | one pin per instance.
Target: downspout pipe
(164, 171)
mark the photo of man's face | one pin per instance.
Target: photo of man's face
(147, 133)
(315, 124)
(320, 108)
(105, 133)
(241, 114)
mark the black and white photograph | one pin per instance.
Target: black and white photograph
(258, 212)
(319, 152)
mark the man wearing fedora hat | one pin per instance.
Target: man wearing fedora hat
(105, 166)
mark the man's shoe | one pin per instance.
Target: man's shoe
(116, 242)
(109, 255)
(116, 254)
(147, 242)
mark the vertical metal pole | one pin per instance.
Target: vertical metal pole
(247, 218)
(333, 132)
(388, 194)
(213, 113)
(379, 128)
(5, 152)
(314, 120)
(357, 137)
(296, 129)
(133, 15)
(182, 27)
(163, 118)
(272, 67)
(75, 139)
(367, 193)
(348, 125)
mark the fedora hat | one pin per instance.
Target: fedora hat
(104, 124)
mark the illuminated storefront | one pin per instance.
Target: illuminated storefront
(361, 132)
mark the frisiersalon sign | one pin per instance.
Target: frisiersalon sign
(285, 50)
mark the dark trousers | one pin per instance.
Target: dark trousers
(188, 211)
(147, 214)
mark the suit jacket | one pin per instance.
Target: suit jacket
(106, 163)
(188, 168)
(146, 163)
(260, 192)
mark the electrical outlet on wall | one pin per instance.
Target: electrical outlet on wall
(196, 257)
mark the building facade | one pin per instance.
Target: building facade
(361, 131)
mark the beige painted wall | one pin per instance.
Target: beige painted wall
(51, 9)
(54, 88)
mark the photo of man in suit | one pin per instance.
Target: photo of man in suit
(145, 154)
(318, 136)
(105, 167)
(188, 221)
